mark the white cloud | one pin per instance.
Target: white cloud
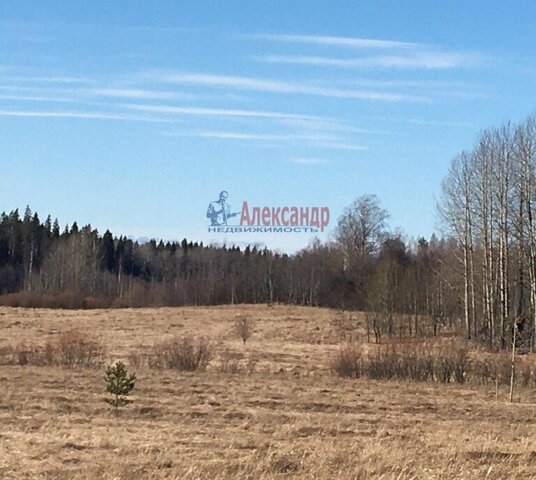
(82, 115)
(422, 121)
(396, 53)
(49, 79)
(329, 125)
(84, 94)
(215, 112)
(376, 82)
(277, 86)
(253, 136)
(135, 93)
(414, 60)
(445, 123)
(28, 98)
(314, 139)
(338, 41)
(341, 146)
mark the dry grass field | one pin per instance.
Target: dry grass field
(281, 415)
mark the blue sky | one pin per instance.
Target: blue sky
(133, 116)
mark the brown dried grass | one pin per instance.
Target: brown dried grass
(289, 418)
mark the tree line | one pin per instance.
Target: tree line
(487, 204)
(365, 267)
(478, 277)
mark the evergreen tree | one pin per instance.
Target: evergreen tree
(56, 229)
(119, 384)
(107, 252)
(48, 226)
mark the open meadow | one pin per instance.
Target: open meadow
(269, 408)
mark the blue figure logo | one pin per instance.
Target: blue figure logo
(219, 211)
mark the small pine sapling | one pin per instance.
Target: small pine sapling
(119, 384)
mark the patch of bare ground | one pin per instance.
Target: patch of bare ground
(287, 417)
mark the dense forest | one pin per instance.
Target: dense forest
(478, 277)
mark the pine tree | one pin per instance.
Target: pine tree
(119, 384)
(27, 214)
(108, 251)
(48, 226)
(56, 229)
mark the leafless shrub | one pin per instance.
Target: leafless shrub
(244, 327)
(373, 323)
(65, 300)
(348, 362)
(482, 372)
(416, 365)
(232, 363)
(461, 360)
(495, 368)
(383, 365)
(345, 324)
(75, 348)
(228, 362)
(24, 354)
(526, 375)
(185, 354)
(139, 360)
(70, 349)
(90, 303)
(419, 362)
